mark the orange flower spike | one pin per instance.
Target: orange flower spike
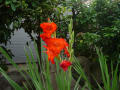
(49, 27)
(65, 64)
(54, 45)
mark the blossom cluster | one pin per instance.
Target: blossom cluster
(54, 45)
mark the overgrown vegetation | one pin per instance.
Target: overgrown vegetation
(98, 25)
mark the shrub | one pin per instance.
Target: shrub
(98, 25)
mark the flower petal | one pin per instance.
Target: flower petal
(49, 27)
(65, 64)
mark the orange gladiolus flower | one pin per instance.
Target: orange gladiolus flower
(48, 27)
(50, 54)
(45, 36)
(65, 64)
(57, 45)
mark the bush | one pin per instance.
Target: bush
(98, 25)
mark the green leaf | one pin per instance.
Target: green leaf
(13, 63)
(13, 7)
(1, 1)
(33, 4)
(13, 0)
(12, 83)
(7, 2)
(77, 83)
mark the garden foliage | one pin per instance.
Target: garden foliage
(98, 25)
